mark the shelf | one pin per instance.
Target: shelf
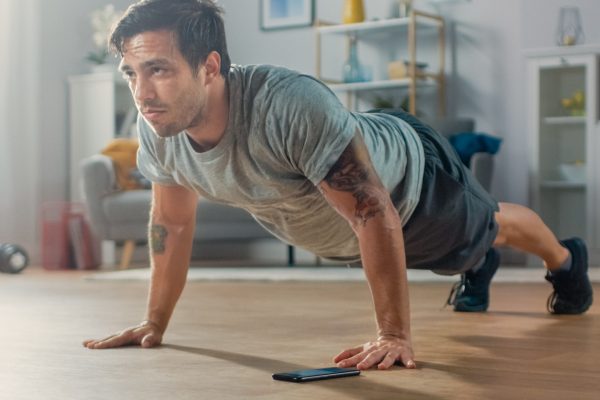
(384, 84)
(565, 120)
(563, 50)
(373, 26)
(562, 185)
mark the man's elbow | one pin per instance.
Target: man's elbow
(376, 215)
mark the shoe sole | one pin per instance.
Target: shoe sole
(480, 308)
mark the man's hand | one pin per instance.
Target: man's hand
(147, 334)
(384, 352)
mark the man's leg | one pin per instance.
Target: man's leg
(566, 261)
(523, 229)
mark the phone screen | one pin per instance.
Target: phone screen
(306, 375)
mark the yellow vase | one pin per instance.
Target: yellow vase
(354, 11)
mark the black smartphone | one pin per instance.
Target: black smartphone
(308, 375)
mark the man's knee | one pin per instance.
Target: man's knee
(503, 221)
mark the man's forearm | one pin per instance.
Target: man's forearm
(170, 251)
(384, 262)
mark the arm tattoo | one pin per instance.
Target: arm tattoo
(158, 233)
(351, 173)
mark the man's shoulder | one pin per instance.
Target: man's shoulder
(253, 74)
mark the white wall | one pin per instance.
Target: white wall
(19, 148)
(540, 18)
(487, 72)
(486, 68)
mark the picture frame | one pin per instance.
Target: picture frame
(285, 14)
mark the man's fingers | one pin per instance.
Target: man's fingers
(384, 353)
(114, 341)
(352, 361)
(407, 360)
(388, 361)
(149, 341)
(371, 359)
(90, 343)
(347, 354)
(144, 335)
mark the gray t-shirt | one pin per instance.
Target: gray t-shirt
(285, 132)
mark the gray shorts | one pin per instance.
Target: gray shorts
(453, 225)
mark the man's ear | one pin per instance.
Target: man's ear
(212, 65)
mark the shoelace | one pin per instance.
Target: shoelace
(551, 301)
(457, 289)
(563, 288)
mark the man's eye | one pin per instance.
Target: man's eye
(128, 75)
(157, 70)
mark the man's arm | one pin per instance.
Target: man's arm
(171, 230)
(353, 188)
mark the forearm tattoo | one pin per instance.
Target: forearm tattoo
(351, 173)
(158, 234)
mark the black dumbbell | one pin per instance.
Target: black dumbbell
(13, 259)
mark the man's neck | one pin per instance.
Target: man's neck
(209, 132)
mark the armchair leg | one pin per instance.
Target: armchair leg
(108, 253)
(128, 249)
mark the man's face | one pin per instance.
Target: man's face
(166, 91)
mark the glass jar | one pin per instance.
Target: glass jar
(569, 31)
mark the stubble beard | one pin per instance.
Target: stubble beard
(181, 120)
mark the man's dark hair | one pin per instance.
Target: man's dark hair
(197, 25)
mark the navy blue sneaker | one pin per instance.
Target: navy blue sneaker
(573, 293)
(472, 293)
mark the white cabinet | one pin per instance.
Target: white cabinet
(565, 170)
(402, 34)
(100, 109)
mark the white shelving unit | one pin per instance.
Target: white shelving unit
(405, 29)
(98, 103)
(571, 207)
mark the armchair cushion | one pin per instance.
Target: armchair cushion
(123, 152)
(467, 144)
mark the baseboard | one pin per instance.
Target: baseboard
(509, 256)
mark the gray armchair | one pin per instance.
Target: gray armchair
(122, 216)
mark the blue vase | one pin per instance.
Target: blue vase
(352, 69)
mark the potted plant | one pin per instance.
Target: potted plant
(102, 21)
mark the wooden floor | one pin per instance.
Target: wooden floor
(226, 339)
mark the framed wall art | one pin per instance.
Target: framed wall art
(283, 14)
